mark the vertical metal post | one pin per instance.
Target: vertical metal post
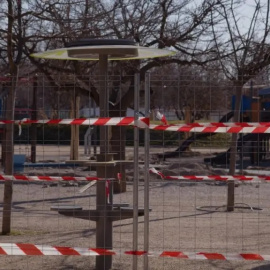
(104, 223)
(95, 130)
(146, 168)
(103, 101)
(94, 105)
(33, 127)
(136, 172)
(230, 196)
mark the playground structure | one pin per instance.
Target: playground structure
(104, 50)
(174, 232)
(253, 146)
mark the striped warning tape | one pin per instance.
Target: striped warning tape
(152, 170)
(160, 116)
(123, 121)
(34, 250)
(130, 121)
(50, 178)
(103, 121)
(144, 122)
(223, 124)
(244, 178)
(212, 129)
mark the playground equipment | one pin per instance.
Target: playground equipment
(255, 146)
(161, 202)
(191, 139)
(104, 50)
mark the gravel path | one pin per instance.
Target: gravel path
(176, 222)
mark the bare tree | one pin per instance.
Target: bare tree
(161, 23)
(13, 55)
(247, 42)
(192, 86)
(181, 25)
(248, 47)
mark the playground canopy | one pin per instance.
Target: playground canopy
(91, 49)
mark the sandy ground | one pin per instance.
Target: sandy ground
(176, 221)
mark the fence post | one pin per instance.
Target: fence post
(136, 169)
(146, 168)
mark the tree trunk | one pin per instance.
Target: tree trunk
(8, 154)
(233, 148)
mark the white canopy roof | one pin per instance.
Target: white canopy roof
(93, 52)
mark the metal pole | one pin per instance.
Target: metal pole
(95, 131)
(104, 223)
(230, 196)
(146, 169)
(136, 172)
(103, 101)
(33, 127)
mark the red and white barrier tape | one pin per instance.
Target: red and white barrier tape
(212, 129)
(244, 178)
(125, 121)
(50, 178)
(19, 249)
(225, 124)
(152, 170)
(142, 122)
(160, 116)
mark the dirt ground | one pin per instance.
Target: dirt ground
(187, 217)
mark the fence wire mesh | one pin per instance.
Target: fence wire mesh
(189, 218)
